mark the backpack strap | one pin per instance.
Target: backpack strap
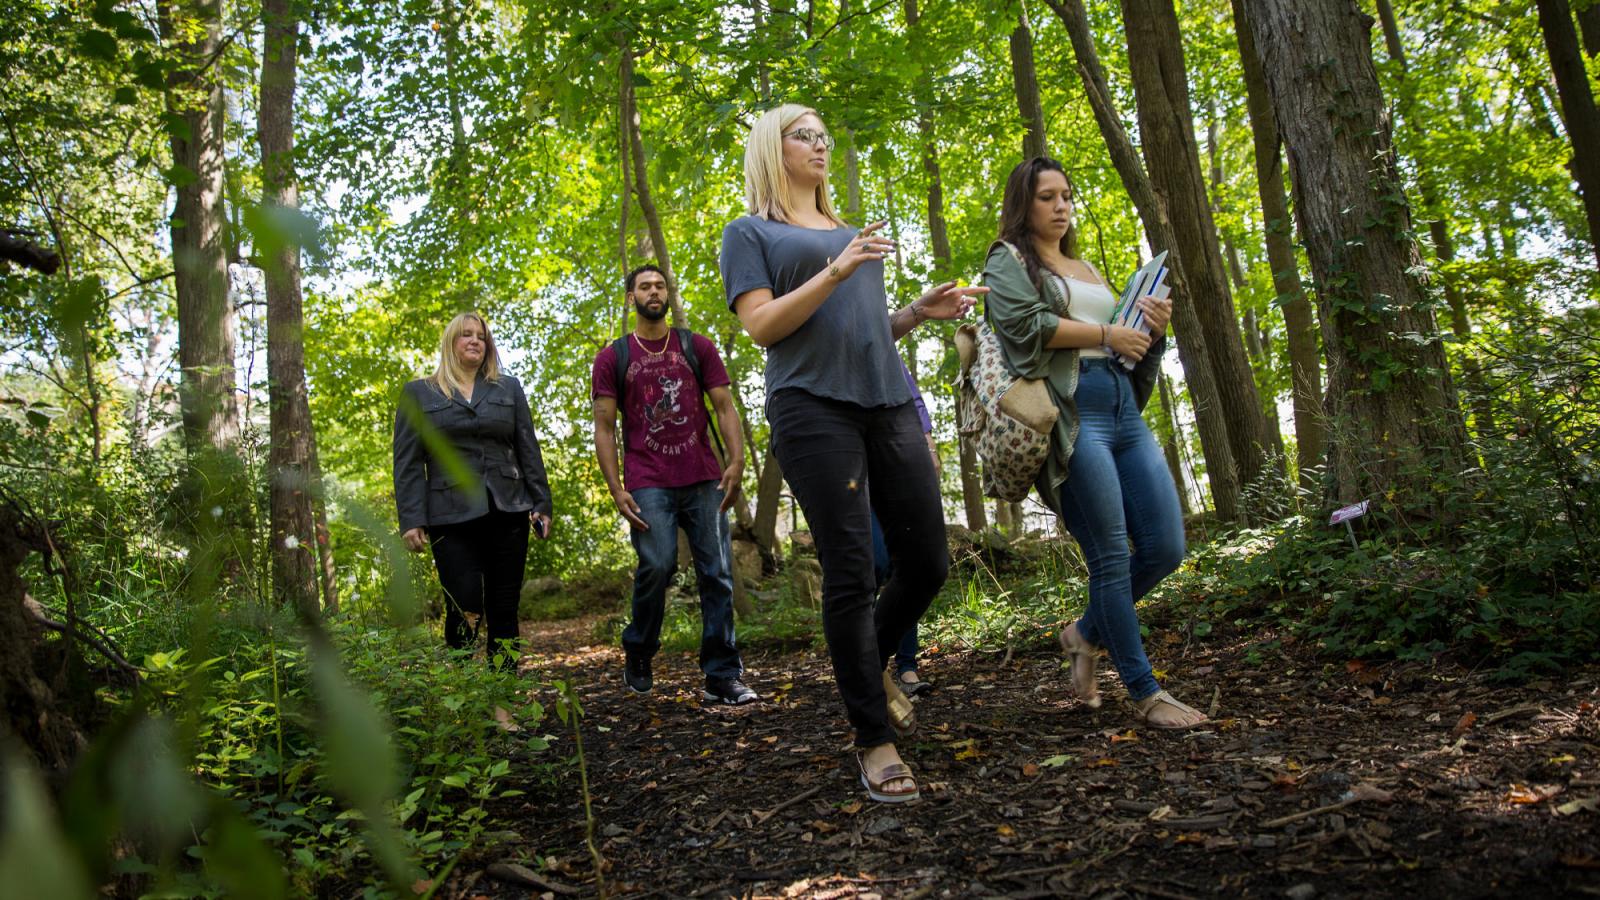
(619, 348)
(686, 344)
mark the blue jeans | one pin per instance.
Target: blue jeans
(905, 657)
(1119, 490)
(694, 509)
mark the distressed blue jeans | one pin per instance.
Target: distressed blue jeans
(1119, 490)
(693, 508)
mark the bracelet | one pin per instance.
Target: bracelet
(833, 270)
(917, 315)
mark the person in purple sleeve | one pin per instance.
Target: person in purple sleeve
(905, 657)
(655, 376)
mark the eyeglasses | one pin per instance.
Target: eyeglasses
(808, 136)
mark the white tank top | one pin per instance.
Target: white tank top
(1090, 302)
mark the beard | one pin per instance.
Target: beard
(645, 312)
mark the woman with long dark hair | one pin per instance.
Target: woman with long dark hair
(1105, 476)
(809, 288)
(473, 494)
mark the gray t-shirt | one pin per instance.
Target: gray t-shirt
(845, 351)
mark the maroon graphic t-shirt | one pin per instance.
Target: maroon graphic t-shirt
(664, 419)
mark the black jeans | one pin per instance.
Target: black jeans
(833, 453)
(480, 563)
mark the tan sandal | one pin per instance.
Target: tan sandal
(1148, 705)
(902, 715)
(1083, 659)
(892, 772)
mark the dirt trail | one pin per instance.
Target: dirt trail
(1315, 781)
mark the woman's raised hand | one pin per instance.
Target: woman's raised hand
(866, 245)
(947, 301)
(1157, 313)
(1130, 343)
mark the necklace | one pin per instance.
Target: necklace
(647, 350)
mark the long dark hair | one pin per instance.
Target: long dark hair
(1014, 208)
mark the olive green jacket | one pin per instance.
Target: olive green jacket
(1025, 320)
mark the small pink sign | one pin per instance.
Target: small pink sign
(1346, 513)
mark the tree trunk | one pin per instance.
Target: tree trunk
(1260, 359)
(939, 238)
(641, 187)
(1305, 361)
(769, 490)
(1172, 158)
(1443, 246)
(1221, 472)
(1395, 413)
(1025, 84)
(1167, 425)
(1589, 24)
(625, 166)
(289, 458)
(1577, 107)
(199, 247)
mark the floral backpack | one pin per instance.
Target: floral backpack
(1008, 418)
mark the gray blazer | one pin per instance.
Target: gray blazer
(493, 437)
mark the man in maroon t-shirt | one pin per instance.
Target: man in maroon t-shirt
(673, 480)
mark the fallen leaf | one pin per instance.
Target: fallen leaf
(851, 808)
(1592, 804)
(1029, 770)
(1368, 792)
(1006, 831)
(423, 885)
(1523, 794)
(1463, 724)
(822, 826)
(502, 717)
(1128, 735)
(1100, 763)
(1054, 761)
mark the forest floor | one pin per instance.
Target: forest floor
(1315, 780)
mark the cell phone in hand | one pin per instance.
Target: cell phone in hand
(542, 527)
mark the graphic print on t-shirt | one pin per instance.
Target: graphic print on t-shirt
(664, 418)
(659, 381)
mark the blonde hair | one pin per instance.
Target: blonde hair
(766, 182)
(452, 378)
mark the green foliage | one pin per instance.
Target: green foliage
(1509, 574)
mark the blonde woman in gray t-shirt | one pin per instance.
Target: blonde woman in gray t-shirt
(809, 288)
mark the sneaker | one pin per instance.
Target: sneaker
(636, 674)
(731, 691)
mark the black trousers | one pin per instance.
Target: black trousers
(833, 454)
(480, 563)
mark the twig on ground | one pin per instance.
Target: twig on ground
(762, 817)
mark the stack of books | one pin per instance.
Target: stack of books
(1149, 281)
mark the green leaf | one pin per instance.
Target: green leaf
(35, 860)
(99, 44)
(38, 419)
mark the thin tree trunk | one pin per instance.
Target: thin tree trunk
(625, 166)
(1172, 158)
(939, 238)
(1260, 359)
(1025, 85)
(1577, 107)
(1194, 354)
(641, 187)
(289, 460)
(769, 490)
(1305, 360)
(199, 250)
(1167, 425)
(1396, 415)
